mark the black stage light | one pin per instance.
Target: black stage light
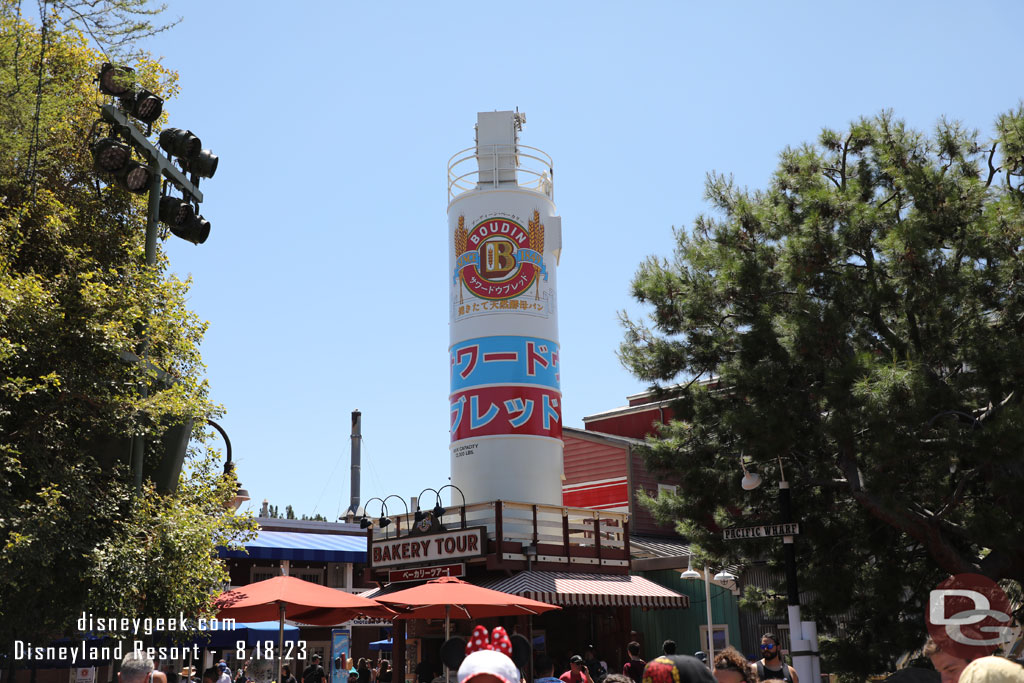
(175, 212)
(195, 230)
(204, 165)
(135, 177)
(143, 105)
(116, 80)
(110, 155)
(180, 143)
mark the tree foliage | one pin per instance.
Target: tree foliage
(859, 323)
(75, 299)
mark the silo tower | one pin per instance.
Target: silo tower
(504, 240)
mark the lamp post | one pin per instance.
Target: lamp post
(365, 522)
(241, 495)
(723, 575)
(803, 635)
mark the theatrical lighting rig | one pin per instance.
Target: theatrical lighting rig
(112, 155)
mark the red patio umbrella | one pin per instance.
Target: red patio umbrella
(448, 597)
(288, 597)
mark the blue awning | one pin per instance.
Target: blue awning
(304, 547)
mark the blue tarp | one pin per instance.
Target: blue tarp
(303, 547)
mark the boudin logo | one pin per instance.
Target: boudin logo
(499, 258)
(428, 548)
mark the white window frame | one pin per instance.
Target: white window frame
(668, 488)
(718, 628)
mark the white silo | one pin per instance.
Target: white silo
(504, 241)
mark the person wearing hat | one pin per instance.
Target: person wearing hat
(677, 669)
(314, 673)
(701, 655)
(225, 672)
(577, 672)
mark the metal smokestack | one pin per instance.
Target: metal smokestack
(357, 440)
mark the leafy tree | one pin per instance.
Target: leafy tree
(860, 323)
(75, 299)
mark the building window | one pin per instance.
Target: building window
(308, 574)
(263, 573)
(721, 632)
(668, 488)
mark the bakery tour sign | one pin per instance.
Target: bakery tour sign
(445, 546)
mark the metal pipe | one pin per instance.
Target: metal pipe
(357, 440)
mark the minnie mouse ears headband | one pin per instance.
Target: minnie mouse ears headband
(516, 647)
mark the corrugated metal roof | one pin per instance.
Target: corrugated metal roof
(652, 546)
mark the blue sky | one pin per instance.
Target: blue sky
(324, 277)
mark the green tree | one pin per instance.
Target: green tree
(75, 300)
(861, 324)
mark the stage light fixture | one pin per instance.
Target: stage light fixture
(175, 212)
(116, 80)
(143, 105)
(135, 177)
(110, 155)
(204, 165)
(181, 143)
(196, 230)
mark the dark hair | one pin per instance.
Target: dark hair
(669, 647)
(543, 664)
(772, 637)
(212, 674)
(384, 666)
(633, 648)
(617, 678)
(731, 660)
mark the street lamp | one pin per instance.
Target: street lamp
(803, 635)
(241, 495)
(384, 521)
(721, 576)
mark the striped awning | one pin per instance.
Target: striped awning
(589, 590)
(303, 547)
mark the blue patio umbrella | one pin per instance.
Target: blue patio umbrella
(381, 644)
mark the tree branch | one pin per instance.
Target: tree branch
(992, 170)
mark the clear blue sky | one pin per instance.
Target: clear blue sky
(324, 278)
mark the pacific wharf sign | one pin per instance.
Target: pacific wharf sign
(428, 548)
(763, 531)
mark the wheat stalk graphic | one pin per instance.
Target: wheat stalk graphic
(460, 247)
(537, 243)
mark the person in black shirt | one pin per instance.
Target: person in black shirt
(286, 675)
(314, 673)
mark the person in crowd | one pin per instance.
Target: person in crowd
(577, 672)
(363, 669)
(668, 647)
(383, 673)
(702, 656)
(948, 665)
(225, 672)
(544, 668)
(171, 672)
(732, 667)
(992, 670)
(314, 673)
(634, 668)
(424, 671)
(212, 674)
(771, 664)
(286, 674)
(597, 668)
(677, 669)
(135, 668)
(484, 665)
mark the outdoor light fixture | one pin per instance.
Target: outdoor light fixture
(690, 572)
(195, 230)
(365, 523)
(175, 212)
(110, 155)
(182, 143)
(383, 521)
(143, 105)
(135, 177)
(750, 481)
(116, 80)
(204, 165)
